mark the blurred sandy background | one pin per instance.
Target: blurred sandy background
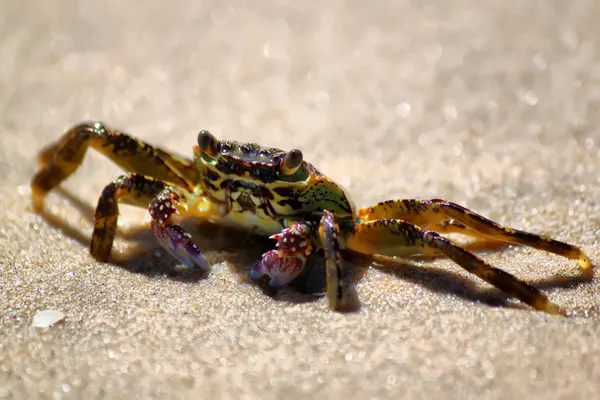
(493, 104)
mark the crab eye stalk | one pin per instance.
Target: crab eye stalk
(291, 162)
(208, 143)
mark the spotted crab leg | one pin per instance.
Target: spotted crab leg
(130, 189)
(394, 237)
(59, 160)
(446, 217)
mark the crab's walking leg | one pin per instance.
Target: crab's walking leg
(341, 296)
(446, 217)
(128, 189)
(62, 158)
(163, 201)
(393, 237)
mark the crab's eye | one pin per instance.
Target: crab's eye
(208, 143)
(291, 162)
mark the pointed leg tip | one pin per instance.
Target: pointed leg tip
(556, 310)
(37, 206)
(37, 202)
(586, 266)
(345, 306)
(100, 257)
(346, 301)
(549, 307)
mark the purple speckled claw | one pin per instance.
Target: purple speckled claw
(296, 239)
(282, 270)
(179, 243)
(294, 244)
(172, 236)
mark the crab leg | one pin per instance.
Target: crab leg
(61, 159)
(394, 237)
(340, 294)
(163, 201)
(446, 217)
(130, 189)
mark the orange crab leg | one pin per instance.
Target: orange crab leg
(62, 158)
(446, 217)
(129, 189)
(394, 237)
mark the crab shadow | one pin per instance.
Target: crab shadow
(439, 280)
(144, 255)
(239, 250)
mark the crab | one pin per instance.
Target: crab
(276, 193)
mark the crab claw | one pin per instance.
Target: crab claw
(294, 240)
(281, 270)
(179, 243)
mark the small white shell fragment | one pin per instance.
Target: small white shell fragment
(46, 318)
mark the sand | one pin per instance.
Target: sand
(494, 105)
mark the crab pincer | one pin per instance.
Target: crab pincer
(285, 264)
(176, 240)
(180, 245)
(281, 270)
